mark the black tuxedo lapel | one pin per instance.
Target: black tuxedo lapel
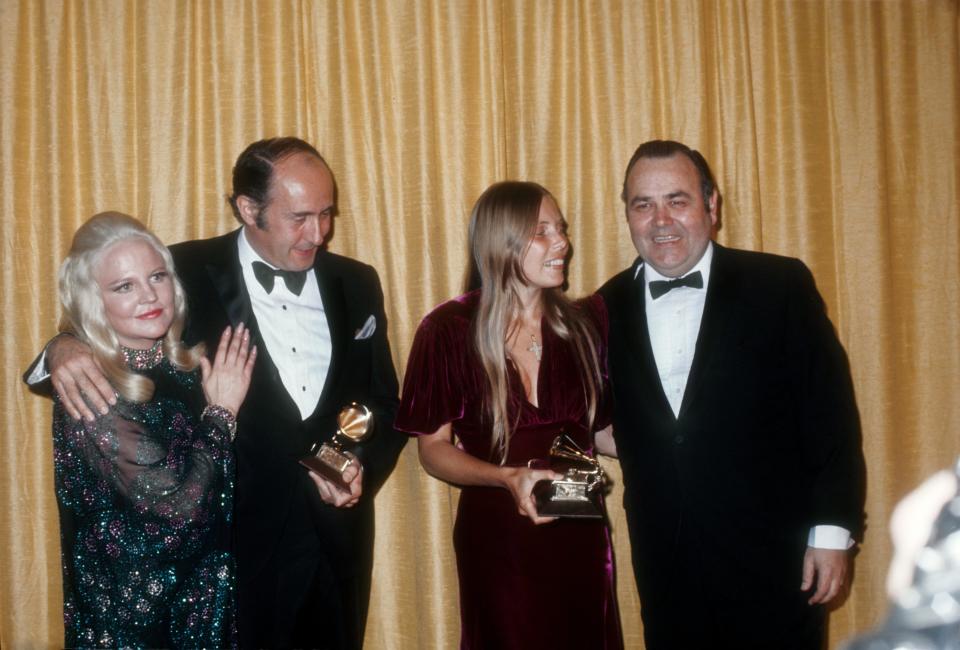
(335, 309)
(720, 303)
(227, 277)
(638, 335)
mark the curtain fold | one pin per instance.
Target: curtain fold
(832, 128)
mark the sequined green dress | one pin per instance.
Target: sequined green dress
(145, 495)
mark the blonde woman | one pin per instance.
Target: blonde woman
(145, 491)
(493, 377)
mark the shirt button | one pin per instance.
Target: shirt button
(294, 349)
(304, 389)
(680, 439)
(284, 307)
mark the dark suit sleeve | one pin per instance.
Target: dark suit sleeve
(379, 454)
(829, 420)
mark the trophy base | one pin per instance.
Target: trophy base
(570, 499)
(328, 463)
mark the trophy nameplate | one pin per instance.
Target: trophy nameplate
(328, 459)
(577, 493)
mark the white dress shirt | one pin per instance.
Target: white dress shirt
(673, 321)
(293, 328)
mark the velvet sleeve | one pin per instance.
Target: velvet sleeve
(437, 375)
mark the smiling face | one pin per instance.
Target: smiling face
(298, 215)
(545, 257)
(137, 292)
(669, 223)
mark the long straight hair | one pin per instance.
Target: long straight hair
(83, 309)
(502, 225)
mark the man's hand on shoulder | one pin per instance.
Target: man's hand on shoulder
(74, 375)
(826, 570)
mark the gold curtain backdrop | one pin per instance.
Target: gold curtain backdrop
(832, 127)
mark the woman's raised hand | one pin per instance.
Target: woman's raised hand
(226, 380)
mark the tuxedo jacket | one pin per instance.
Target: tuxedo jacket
(766, 444)
(273, 490)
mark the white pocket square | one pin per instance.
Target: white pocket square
(367, 330)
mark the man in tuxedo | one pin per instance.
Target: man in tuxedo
(734, 421)
(304, 546)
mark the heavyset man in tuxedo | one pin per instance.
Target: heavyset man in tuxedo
(304, 548)
(734, 421)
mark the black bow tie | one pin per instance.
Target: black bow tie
(266, 276)
(660, 287)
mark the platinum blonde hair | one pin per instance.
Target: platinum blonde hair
(83, 308)
(502, 225)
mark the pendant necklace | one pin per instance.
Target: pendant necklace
(535, 347)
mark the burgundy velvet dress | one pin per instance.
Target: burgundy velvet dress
(521, 585)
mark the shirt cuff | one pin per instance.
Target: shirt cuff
(829, 537)
(39, 372)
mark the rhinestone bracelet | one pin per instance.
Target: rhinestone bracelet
(224, 415)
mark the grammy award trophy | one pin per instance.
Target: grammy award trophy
(578, 492)
(328, 459)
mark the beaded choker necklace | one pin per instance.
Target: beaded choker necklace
(143, 359)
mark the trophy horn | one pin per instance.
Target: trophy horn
(564, 447)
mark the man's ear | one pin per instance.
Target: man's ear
(248, 209)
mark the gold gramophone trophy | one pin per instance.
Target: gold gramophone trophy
(328, 459)
(577, 494)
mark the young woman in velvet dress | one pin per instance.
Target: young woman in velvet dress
(145, 490)
(493, 377)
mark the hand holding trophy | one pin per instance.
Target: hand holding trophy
(328, 459)
(577, 494)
